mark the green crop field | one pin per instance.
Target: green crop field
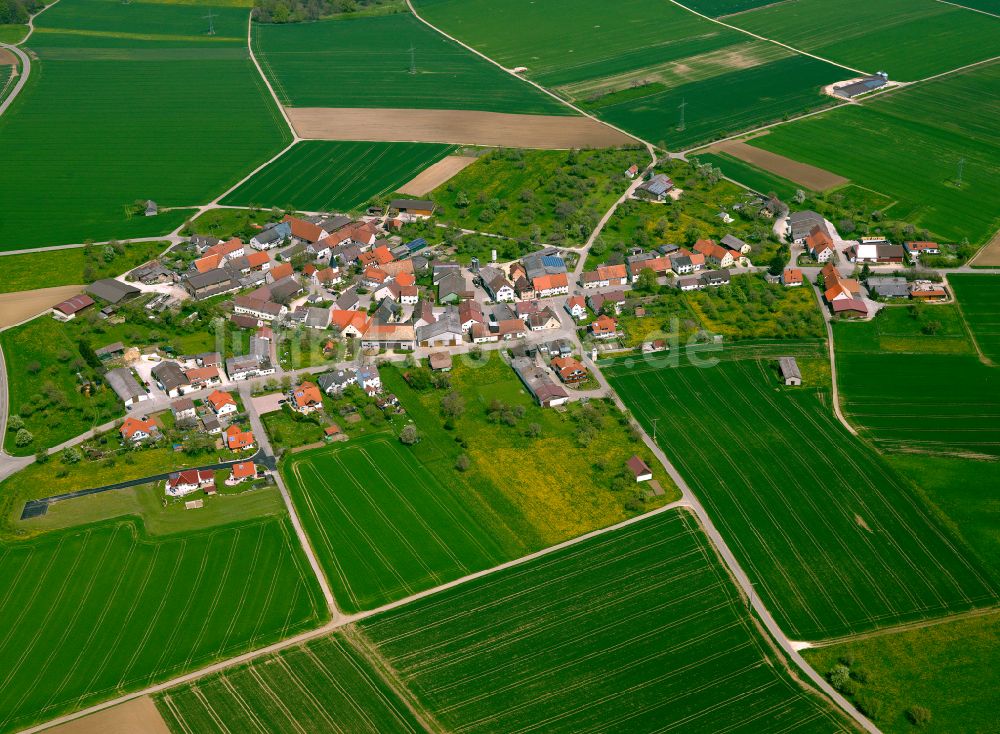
(323, 685)
(382, 526)
(955, 486)
(835, 540)
(336, 176)
(979, 299)
(932, 126)
(96, 611)
(160, 110)
(720, 8)
(758, 179)
(726, 104)
(910, 390)
(635, 67)
(947, 669)
(909, 39)
(637, 630)
(366, 62)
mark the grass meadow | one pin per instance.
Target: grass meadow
(336, 176)
(949, 669)
(979, 300)
(78, 265)
(95, 611)
(931, 127)
(836, 542)
(636, 630)
(908, 390)
(185, 114)
(322, 685)
(635, 67)
(382, 526)
(366, 62)
(909, 39)
(43, 360)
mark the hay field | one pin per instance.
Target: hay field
(185, 114)
(335, 176)
(835, 540)
(102, 609)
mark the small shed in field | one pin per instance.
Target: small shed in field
(789, 371)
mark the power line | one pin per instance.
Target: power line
(413, 59)
(961, 170)
(681, 106)
(211, 22)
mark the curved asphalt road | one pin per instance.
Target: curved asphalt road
(22, 77)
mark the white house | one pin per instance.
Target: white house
(186, 482)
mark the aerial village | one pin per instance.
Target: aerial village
(365, 295)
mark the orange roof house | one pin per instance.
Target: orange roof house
(257, 260)
(237, 439)
(280, 270)
(219, 400)
(307, 397)
(406, 279)
(137, 429)
(551, 282)
(379, 256)
(244, 470)
(604, 327)
(226, 248)
(350, 323)
(209, 262)
(792, 276)
(303, 230)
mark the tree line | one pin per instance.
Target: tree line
(18, 11)
(298, 11)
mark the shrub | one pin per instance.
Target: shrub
(409, 435)
(71, 455)
(869, 705)
(918, 715)
(839, 676)
(24, 437)
(15, 423)
(462, 463)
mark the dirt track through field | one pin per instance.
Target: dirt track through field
(460, 127)
(20, 306)
(811, 177)
(435, 175)
(989, 255)
(137, 715)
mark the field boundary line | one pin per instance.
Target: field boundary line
(544, 90)
(906, 627)
(966, 7)
(765, 38)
